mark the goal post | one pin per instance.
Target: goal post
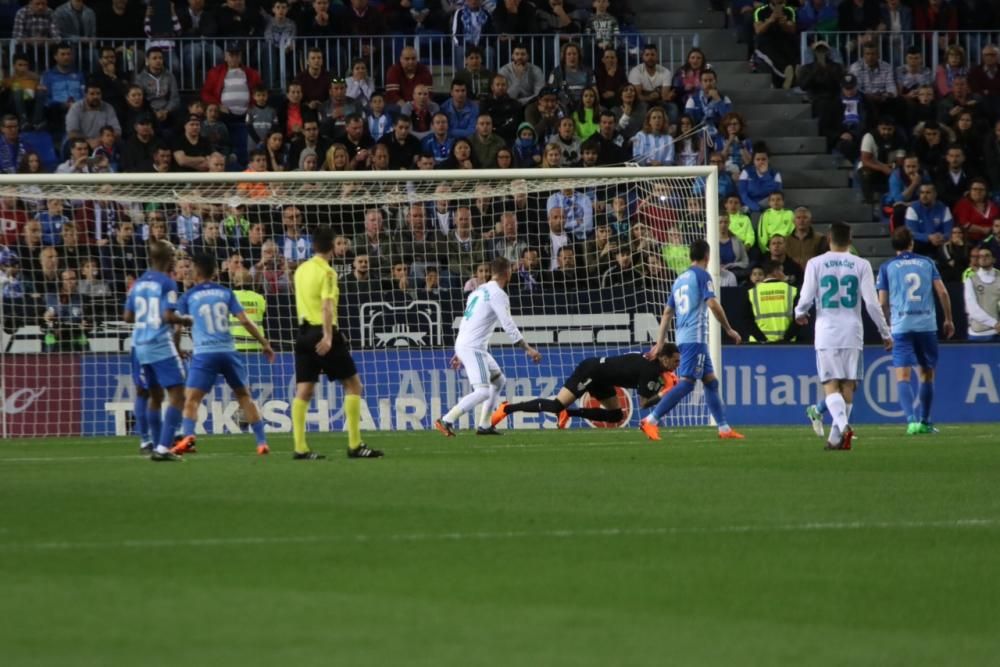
(64, 355)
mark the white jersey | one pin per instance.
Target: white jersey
(485, 307)
(838, 282)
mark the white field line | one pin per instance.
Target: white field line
(497, 536)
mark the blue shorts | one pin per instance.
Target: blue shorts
(695, 362)
(138, 376)
(915, 348)
(206, 367)
(165, 373)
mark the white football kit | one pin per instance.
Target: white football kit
(484, 308)
(837, 282)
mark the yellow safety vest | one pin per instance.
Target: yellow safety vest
(254, 305)
(772, 308)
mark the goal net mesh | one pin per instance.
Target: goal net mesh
(595, 258)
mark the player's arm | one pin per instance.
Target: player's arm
(807, 296)
(873, 305)
(330, 293)
(883, 300)
(501, 306)
(661, 335)
(720, 314)
(942, 293)
(252, 329)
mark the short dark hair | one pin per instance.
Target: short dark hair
(840, 233)
(456, 82)
(153, 49)
(161, 253)
(771, 266)
(902, 239)
(323, 238)
(205, 265)
(470, 50)
(258, 152)
(668, 350)
(499, 265)
(699, 250)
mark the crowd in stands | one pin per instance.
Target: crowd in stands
(66, 264)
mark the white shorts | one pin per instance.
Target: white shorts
(480, 365)
(840, 364)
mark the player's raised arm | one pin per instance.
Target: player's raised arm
(807, 296)
(942, 292)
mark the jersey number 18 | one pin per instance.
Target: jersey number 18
(215, 316)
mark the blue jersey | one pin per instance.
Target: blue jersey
(688, 298)
(210, 306)
(909, 280)
(149, 300)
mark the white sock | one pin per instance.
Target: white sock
(468, 402)
(496, 386)
(834, 436)
(850, 406)
(651, 419)
(162, 449)
(838, 410)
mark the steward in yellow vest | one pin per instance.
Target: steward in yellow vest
(772, 302)
(255, 306)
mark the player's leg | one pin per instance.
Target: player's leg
(141, 407)
(168, 373)
(339, 365)
(610, 410)
(692, 366)
(814, 413)
(556, 405)
(927, 355)
(903, 359)
(201, 377)
(713, 398)
(497, 383)
(479, 378)
(307, 370)
(834, 390)
(154, 407)
(234, 371)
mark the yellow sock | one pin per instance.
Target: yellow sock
(299, 410)
(352, 413)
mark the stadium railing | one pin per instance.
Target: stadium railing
(190, 58)
(893, 45)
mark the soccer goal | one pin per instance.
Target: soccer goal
(595, 252)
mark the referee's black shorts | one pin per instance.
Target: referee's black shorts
(336, 364)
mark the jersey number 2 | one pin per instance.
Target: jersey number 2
(832, 297)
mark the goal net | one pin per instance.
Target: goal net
(595, 251)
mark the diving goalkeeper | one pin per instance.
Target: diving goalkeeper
(599, 376)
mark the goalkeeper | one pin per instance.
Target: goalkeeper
(599, 376)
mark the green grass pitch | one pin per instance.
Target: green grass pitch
(538, 548)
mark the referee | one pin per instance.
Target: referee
(321, 348)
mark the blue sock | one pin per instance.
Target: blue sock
(187, 427)
(714, 402)
(171, 420)
(821, 406)
(926, 398)
(154, 424)
(142, 418)
(673, 397)
(258, 431)
(905, 391)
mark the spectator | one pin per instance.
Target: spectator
(961, 100)
(23, 88)
(87, 116)
(568, 142)
(336, 159)
(421, 111)
(79, 161)
(991, 157)
(92, 285)
(953, 181)
(261, 118)
(974, 213)
(120, 20)
(515, 17)
(821, 81)
(476, 78)
(758, 181)
(877, 151)
(571, 76)
(375, 244)
(477, 279)
(775, 221)
(598, 254)
(982, 300)
(896, 19)
(123, 259)
(504, 110)
(544, 114)
(955, 65)
(431, 289)
(404, 76)
(687, 78)
(163, 160)
(876, 81)
(334, 112)
(568, 276)
(61, 86)
(461, 156)
(187, 223)
(914, 74)
(292, 113)
(603, 27)
(63, 321)
(439, 142)
(804, 243)
(524, 80)
(955, 256)
(777, 41)
(930, 222)
(708, 105)
(485, 144)
(930, 147)
(611, 148)
(505, 158)
(190, 149)
(419, 245)
(984, 78)
(527, 279)
(159, 86)
(653, 82)
(559, 17)
(234, 19)
(357, 141)
(609, 77)
(463, 250)
(630, 112)
(309, 138)
(136, 106)
(992, 242)
(732, 252)
(314, 80)
(777, 252)
(270, 273)
(360, 86)
(527, 152)
(622, 273)
(75, 21)
(12, 148)
(970, 139)
(52, 221)
(689, 147)
(34, 23)
(378, 122)
(211, 242)
(230, 84)
(577, 213)
(360, 20)
(653, 146)
(316, 20)
(585, 116)
(196, 25)
(469, 24)
(461, 112)
(771, 304)
(276, 150)
(509, 243)
(736, 149)
(112, 83)
(29, 246)
(859, 16)
(935, 15)
(403, 146)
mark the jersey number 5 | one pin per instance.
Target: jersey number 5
(682, 300)
(832, 296)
